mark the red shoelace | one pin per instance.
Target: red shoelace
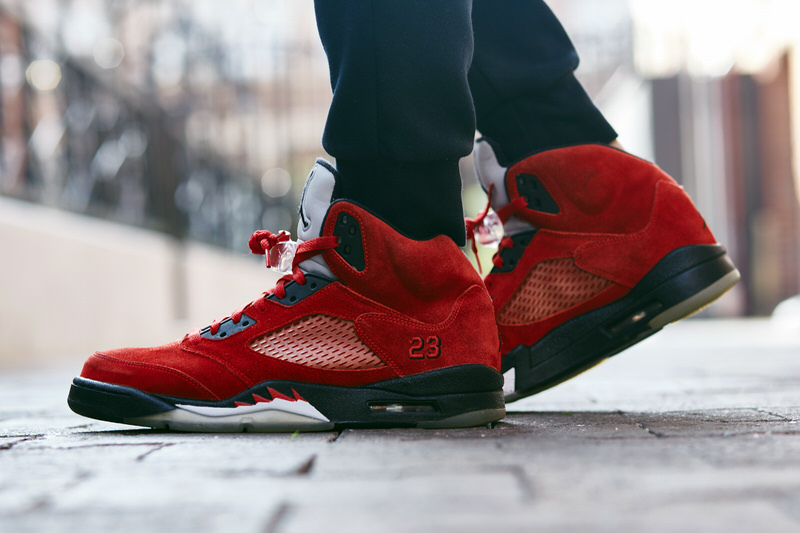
(505, 212)
(260, 243)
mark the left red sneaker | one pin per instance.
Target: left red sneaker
(369, 328)
(600, 249)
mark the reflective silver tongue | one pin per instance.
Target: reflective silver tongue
(489, 172)
(317, 196)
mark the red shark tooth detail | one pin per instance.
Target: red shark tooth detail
(297, 397)
(260, 399)
(242, 404)
(278, 396)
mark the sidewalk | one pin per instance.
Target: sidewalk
(695, 429)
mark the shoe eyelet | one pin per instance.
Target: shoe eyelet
(223, 334)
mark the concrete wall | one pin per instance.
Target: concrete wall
(70, 285)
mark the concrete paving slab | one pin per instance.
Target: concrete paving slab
(696, 429)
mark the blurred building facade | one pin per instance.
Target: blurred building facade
(709, 90)
(193, 117)
(200, 119)
(724, 100)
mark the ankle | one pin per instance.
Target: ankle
(421, 199)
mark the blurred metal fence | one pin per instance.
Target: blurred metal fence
(161, 114)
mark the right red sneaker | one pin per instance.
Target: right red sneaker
(368, 329)
(600, 249)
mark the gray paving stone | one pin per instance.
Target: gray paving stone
(695, 429)
(198, 519)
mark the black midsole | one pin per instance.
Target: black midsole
(433, 395)
(591, 337)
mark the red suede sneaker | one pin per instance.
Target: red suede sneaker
(600, 249)
(369, 329)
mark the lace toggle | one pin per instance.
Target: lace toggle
(487, 228)
(278, 249)
(284, 255)
(490, 231)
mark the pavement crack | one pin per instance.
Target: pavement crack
(524, 483)
(278, 517)
(81, 426)
(40, 504)
(108, 445)
(80, 477)
(777, 415)
(45, 501)
(653, 432)
(305, 468)
(520, 477)
(153, 450)
(8, 445)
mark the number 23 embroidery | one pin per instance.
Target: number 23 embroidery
(425, 348)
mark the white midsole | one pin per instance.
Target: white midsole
(277, 414)
(297, 407)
